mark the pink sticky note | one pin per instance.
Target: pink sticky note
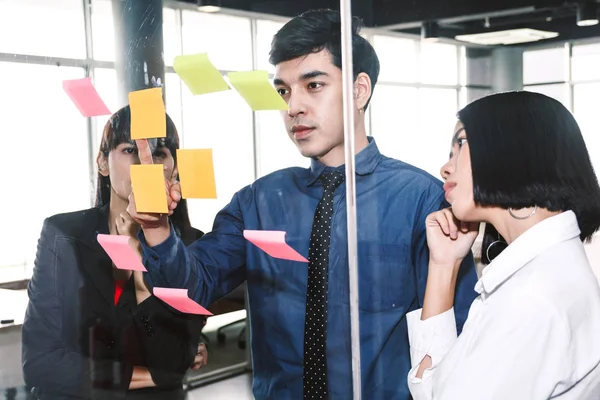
(119, 249)
(273, 243)
(179, 300)
(85, 97)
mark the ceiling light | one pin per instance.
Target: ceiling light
(511, 36)
(587, 14)
(430, 31)
(209, 6)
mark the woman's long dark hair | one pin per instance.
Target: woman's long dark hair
(117, 131)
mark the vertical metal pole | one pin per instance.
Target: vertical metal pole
(348, 96)
(91, 129)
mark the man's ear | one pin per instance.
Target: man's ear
(102, 163)
(362, 90)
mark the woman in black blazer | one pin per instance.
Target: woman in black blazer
(92, 331)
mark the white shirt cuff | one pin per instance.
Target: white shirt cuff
(433, 337)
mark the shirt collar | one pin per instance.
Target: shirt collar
(366, 161)
(531, 243)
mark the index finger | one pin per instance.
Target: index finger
(144, 151)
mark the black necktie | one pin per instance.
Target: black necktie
(315, 325)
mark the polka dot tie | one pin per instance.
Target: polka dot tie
(315, 326)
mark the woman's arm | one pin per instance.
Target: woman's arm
(48, 365)
(432, 330)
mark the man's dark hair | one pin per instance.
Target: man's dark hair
(318, 30)
(526, 150)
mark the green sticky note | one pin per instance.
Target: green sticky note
(199, 75)
(255, 88)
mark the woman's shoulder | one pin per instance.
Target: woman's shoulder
(73, 223)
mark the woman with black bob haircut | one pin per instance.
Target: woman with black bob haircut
(518, 163)
(93, 331)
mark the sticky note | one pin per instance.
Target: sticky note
(148, 183)
(198, 73)
(255, 88)
(196, 174)
(121, 251)
(148, 116)
(179, 300)
(273, 243)
(85, 97)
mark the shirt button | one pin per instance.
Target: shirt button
(154, 257)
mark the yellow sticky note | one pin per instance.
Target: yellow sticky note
(148, 183)
(148, 117)
(198, 73)
(255, 88)
(196, 174)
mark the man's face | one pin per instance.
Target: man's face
(312, 87)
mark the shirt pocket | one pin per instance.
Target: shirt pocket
(385, 277)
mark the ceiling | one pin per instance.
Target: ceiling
(454, 17)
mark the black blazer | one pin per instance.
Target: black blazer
(76, 343)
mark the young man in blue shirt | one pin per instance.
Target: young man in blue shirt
(300, 314)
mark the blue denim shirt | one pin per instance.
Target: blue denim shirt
(393, 200)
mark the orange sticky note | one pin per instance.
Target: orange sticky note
(120, 250)
(273, 243)
(148, 116)
(196, 174)
(148, 183)
(179, 300)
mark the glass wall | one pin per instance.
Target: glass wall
(51, 164)
(413, 105)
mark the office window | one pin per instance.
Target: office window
(221, 121)
(265, 30)
(546, 65)
(171, 35)
(43, 28)
(586, 98)
(585, 62)
(275, 149)
(50, 148)
(105, 82)
(415, 125)
(437, 118)
(559, 91)
(173, 87)
(438, 63)
(225, 38)
(103, 30)
(397, 58)
(394, 122)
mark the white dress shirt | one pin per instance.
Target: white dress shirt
(533, 333)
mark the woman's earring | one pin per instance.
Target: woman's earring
(495, 248)
(512, 214)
